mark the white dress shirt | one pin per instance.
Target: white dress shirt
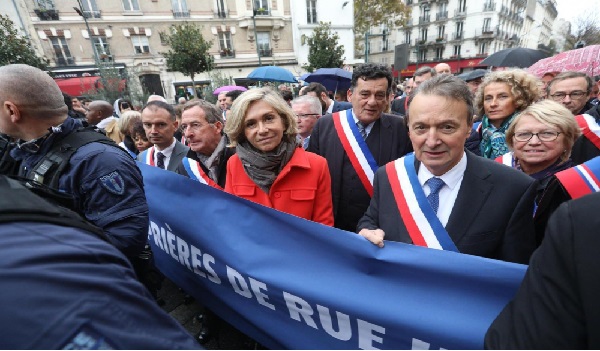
(167, 152)
(452, 179)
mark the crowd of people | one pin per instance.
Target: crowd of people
(475, 163)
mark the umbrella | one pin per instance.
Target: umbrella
(303, 77)
(514, 57)
(227, 88)
(332, 78)
(272, 74)
(586, 60)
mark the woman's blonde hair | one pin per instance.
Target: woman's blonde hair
(234, 126)
(553, 114)
(126, 119)
(523, 87)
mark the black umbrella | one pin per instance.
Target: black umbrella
(514, 57)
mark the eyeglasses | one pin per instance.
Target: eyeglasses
(574, 95)
(307, 115)
(543, 136)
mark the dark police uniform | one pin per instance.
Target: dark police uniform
(64, 287)
(104, 181)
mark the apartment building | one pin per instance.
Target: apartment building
(244, 33)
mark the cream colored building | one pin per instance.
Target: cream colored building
(126, 32)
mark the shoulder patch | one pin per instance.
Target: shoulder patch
(113, 182)
(88, 339)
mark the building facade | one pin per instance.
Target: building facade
(244, 33)
(459, 32)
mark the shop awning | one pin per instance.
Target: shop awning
(77, 86)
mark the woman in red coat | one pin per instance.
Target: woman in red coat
(269, 167)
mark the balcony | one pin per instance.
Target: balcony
(409, 22)
(409, 2)
(64, 61)
(441, 16)
(424, 19)
(489, 6)
(460, 12)
(46, 14)
(105, 58)
(92, 14)
(227, 53)
(265, 52)
(485, 33)
(441, 39)
(222, 14)
(457, 36)
(262, 12)
(181, 14)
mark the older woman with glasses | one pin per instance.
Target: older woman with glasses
(269, 167)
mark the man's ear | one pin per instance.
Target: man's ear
(13, 111)
(219, 125)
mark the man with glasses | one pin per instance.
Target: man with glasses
(202, 127)
(308, 110)
(572, 89)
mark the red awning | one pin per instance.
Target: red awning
(76, 86)
(455, 66)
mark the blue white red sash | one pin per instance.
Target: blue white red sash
(356, 148)
(506, 159)
(581, 180)
(195, 171)
(148, 156)
(422, 224)
(589, 128)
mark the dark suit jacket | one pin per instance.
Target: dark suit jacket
(324, 141)
(557, 305)
(492, 216)
(179, 152)
(398, 106)
(341, 106)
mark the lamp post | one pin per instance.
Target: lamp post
(255, 36)
(79, 11)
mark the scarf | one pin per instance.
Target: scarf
(264, 167)
(493, 140)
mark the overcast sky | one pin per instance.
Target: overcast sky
(572, 9)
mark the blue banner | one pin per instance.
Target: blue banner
(294, 284)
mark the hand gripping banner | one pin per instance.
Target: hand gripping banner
(294, 284)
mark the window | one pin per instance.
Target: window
(439, 52)
(423, 36)
(311, 11)
(225, 44)
(261, 7)
(221, 11)
(263, 40)
(102, 49)
(90, 9)
(407, 37)
(486, 25)
(45, 4)
(61, 51)
(180, 9)
(441, 30)
(457, 50)
(140, 44)
(131, 5)
(423, 55)
(459, 30)
(462, 6)
(482, 48)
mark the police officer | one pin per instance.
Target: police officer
(65, 287)
(52, 148)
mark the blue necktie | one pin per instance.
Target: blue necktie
(362, 129)
(160, 160)
(435, 184)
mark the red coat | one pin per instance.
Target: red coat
(303, 188)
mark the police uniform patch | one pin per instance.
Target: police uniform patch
(113, 182)
(88, 339)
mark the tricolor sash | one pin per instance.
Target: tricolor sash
(196, 172)
(356, 148)
(148, 156)
(589, 128)
(422, 224)
(581, 180)
(506, 159)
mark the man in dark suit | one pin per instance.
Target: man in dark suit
(356, 141)
(443, 197)
(329, 105)
(556, 306)
(202, 126)
(160, 124)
